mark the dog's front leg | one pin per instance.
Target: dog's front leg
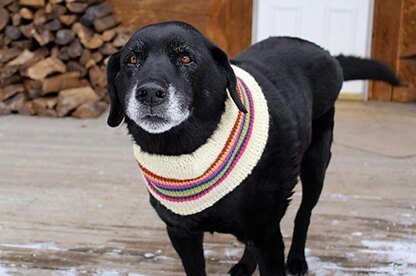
(268, 248)
(189, 246)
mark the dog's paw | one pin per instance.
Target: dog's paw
(242, 269)
(297, 266)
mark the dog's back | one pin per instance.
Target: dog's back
(307, 76)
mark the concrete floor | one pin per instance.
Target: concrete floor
(72, 201)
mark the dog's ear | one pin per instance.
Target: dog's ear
(222, 59)
(116, 109)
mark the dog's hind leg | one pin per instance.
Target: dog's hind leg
(189, 246)
(313, 168)
(246, 265)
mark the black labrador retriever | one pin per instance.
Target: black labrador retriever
(169, 83)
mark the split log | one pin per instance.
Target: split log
(16, 19)
(27, 108)
(63, 37)
(22, 44)
(90, 110)
(33, 88)
(108, 49)
(4, 18)
(4, 109)
(8, 71)
(44, 68)
(42, 110)
(32, 3)
(16, 102)
(11, 90)
(75, 49)
(55, 52)
(13, 33)
(102, 93)
(94, 12)
(46, 102)
(97, 77)
(75, 66)
(77, 7)
(53, 25)
(121, 39)
(55, 10)
(108, 35)
(7, 54)
(97, 57)
(4, 3)
(105, 23)
(22, 58)
(43, 36)
(13, 7)
(15, 79)
(38, 55)
(68, 19)
(63, 82)
(27, 30)
(89, 39)
(70, 99)
(39, 18)
(85, 57)
(25, 13)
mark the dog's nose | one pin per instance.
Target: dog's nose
(151, 94)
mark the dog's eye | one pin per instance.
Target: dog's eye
(132, 59)
(185, 60)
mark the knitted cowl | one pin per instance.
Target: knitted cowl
(190, 183)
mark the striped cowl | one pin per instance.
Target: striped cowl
(190, 183)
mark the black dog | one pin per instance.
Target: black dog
(169, 84)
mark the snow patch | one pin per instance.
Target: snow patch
(320, 268)
(400, 252)
(232, 252)
(107, 273)
(42, 245)
(348, 197)
(3, 271)
(69, 272)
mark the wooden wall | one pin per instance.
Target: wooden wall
(394, 42)
(226, 22)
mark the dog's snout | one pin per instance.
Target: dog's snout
(151, 94)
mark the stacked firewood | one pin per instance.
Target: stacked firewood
(53, 55)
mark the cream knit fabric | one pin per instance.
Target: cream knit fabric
(188, 167)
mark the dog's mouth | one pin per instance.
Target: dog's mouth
(151, 118)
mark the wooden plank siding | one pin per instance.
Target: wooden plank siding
(394, 42)
(227, 22)
(384, 45)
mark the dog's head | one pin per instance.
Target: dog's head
(165, 74)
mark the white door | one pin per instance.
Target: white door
(340, 26)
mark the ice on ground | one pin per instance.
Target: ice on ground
(43, 245)
(3, 271)
(400, 252)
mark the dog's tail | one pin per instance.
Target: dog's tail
(355, 68)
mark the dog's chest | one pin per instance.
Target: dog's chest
(190, 183)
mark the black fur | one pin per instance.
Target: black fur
(356, 68)
(301, 82)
